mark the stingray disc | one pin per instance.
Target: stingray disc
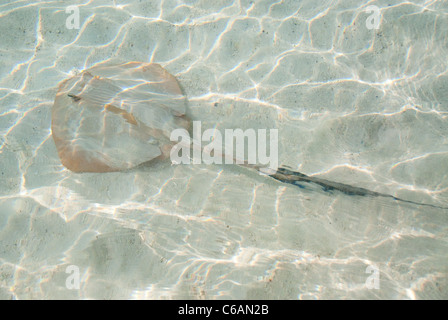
(115, 117)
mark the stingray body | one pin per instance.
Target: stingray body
(114, 117)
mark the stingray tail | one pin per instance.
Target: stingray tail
(298, 179)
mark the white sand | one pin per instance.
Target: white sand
(365, 107)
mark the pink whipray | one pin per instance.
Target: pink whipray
(114, 117)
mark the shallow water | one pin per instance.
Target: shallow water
(362, 106)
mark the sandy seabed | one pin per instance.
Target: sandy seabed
(362, 106)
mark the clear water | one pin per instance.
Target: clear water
(353, 104)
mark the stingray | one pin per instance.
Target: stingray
(114, 117)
